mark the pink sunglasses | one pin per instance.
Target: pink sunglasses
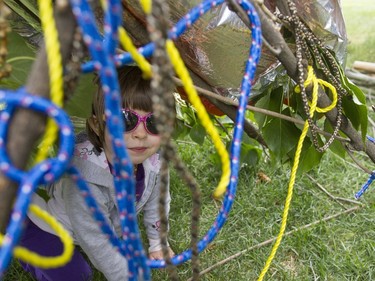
(132, 120)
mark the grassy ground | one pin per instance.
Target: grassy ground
(360, 27)
(339, 249)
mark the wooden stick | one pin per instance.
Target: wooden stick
(364, 66)
(335, 198)
(26, 126)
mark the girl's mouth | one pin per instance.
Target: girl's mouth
(138, 149)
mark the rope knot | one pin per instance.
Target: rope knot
(312, 79)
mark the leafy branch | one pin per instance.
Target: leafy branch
(289, 61)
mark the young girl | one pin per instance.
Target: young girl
(93, 156)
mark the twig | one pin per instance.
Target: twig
(313, 271)
(346, 162)
(335, 198)
(186, 142)
(325, 191)
(269, 241)
(222, 127)
(357, 162)
(236, 8)
(267, 12)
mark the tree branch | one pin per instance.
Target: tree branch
(224, 100)
(27, 126)
(289, 61)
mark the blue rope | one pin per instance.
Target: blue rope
(45, 172)
(254, 56)
(365, 186)
(112, 22)
(123, 169)
(371, 139)
(104, 61)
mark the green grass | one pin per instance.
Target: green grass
(360, 27)
(341, 249)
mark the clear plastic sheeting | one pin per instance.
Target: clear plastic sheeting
(216, 47)
(326, 20)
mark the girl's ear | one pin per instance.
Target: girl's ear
(94, 124)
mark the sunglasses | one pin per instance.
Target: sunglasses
(132, 120)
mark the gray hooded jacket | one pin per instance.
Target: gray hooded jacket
(67, 205)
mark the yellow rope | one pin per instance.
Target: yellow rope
(182, 72)
(128, 45)
(38, 260)
(49, 138)
(146, 6)
(311, 79)
(55, 73)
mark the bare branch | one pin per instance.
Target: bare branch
(27, 126)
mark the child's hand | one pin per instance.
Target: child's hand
(158, 255)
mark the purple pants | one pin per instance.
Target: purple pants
(47, 244)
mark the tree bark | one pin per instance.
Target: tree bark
(27, 126)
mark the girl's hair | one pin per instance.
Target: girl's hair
(135, 94)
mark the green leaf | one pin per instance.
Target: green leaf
(351, 111)
(198, 133)
(281, 136)
(27, 11)
(309, 157)
(31, 6)
(355, 104)
(189, 116)
(272, 101)
(180, 130)
(179, 111)
(20, 57)
(250, 154)
(259, 117)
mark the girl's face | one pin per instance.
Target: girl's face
(140, 144)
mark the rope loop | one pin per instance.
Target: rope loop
(57, 165)
(315, 82)
(44, 172)
(41, 261)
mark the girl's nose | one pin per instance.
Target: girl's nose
(140, 132)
